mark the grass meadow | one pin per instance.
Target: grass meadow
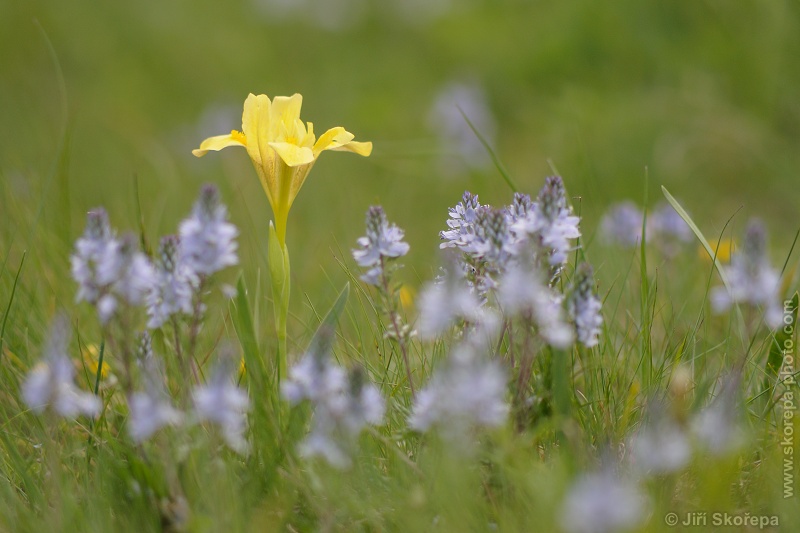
(614, 351)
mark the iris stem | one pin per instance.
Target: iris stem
(282, 351)
(279, 267)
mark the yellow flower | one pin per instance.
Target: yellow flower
(282, 147)
(407, 298)
(723, 248)
(91, 360)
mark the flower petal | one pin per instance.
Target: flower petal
(333, 137)
(341, 140)
(285, 110)
(292, 154)
(256, 125)
(360, 148)
(217, 143)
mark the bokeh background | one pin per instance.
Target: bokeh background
(99, 99)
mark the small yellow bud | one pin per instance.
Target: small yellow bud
(91, 360)
(723, 249)
(407, 298)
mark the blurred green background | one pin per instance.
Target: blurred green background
(700, 96)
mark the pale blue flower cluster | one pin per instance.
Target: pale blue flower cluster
(717, 428)
(112, 273)
(550, 220)
(344, 403)
(111, 270)
(665, 223)
(623, 224)
(50, 384)
(665, 445)
(150, 409)
(603, 502)
(520, 207)
(661, 445)
(506, 270)
(583, 306)
(466, 392)
(667, 440)
(175, 286)
(610, 500)
(751, 278)
(444, 302)
(491, 239)
(95, 250)
(221, 402)
(523, 291)
(514, 255)
(492, 244)
(463, 217)
(382, 242)
(207, 239)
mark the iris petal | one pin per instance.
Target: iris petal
(293, 155)
(360, 148)
(217, 143)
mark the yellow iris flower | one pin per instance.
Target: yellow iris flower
(282, 147)
(283, 150)
(723, 248)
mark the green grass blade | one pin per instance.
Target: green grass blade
(140, 218)
(789, 255)
(496, 160)
(699, 234)
(99, 367)
(644, 307)
(10, 301)
(323, 336)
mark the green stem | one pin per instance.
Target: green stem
(280, 272)
(280, 324)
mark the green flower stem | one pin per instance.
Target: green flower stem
(280, 273)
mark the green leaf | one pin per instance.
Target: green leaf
(322, 341)
(243, 324)
(699, 234)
